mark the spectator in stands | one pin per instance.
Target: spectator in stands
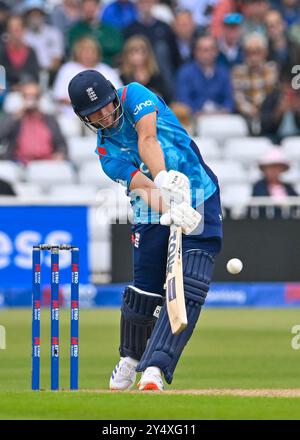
(19, 60)
(201, 10)
(280, 112)
(119, 13)
(65, 15)
(231, 52)
(87, 54)
(139, 64)
(272, 165)
(222, 8)
(31, 134)
(46, 40)
(254, 80)
(254, 12)
(4, 14)
(109, 38)
(160, 35)
(186, 33)
(6, 188)
(290, 11)
(282, 48)
(202, 84)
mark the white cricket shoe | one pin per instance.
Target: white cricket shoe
(151, 380)
(124, 375)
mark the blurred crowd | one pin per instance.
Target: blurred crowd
(204, 57)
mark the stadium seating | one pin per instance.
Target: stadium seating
(82, 149)
(69, 125)
(254, 174)
(24, 189)
(14, 102)
(292, 175)
(48, 173)
(291, 146)
(208, 148)
(221, 127)
(10, 171)
(228, 172)
(232, 195)
(246, 150)
(73, 192)
(92, 173)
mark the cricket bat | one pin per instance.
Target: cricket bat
(174, 282)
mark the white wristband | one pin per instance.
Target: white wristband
(160, 178)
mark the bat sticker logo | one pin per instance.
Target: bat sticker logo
(172, 252)
(171, 289)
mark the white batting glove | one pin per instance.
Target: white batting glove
(174, 187)
(182, 214)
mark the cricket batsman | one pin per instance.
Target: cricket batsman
(142, 145)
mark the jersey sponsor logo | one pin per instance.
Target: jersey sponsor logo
(142, 105)
(91, 94)
(136, 241)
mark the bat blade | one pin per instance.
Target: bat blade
(174, 282)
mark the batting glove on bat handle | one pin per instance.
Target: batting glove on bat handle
(182, 215)
(166, 219)
(174, 187)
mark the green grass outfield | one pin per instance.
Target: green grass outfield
(231, 350)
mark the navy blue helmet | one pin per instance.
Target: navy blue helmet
(90, 91)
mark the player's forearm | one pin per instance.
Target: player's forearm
(152, 197)
(152, 155)
(146, 189)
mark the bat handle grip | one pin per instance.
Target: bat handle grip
(174, 227)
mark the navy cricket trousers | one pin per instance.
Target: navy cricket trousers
(150, 244)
